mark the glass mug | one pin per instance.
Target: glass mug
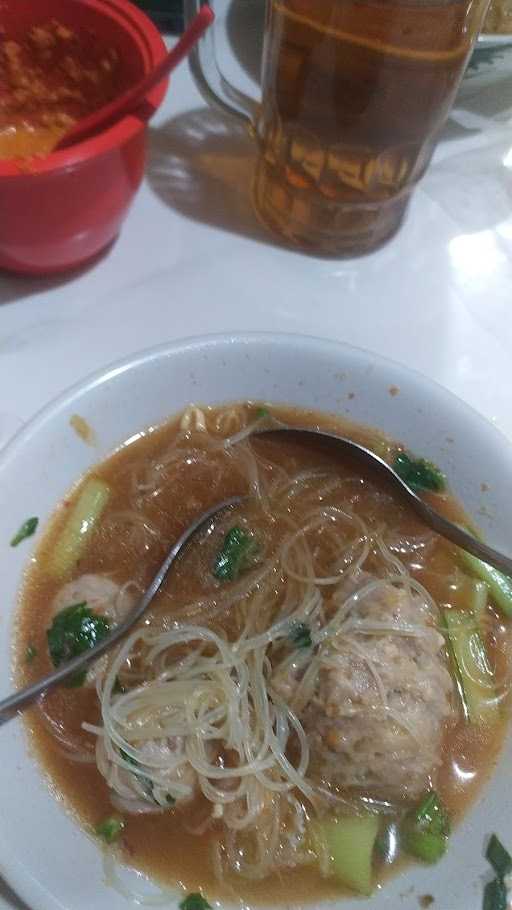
(354, 93)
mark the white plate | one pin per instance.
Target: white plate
(490, 40)
(50, 862)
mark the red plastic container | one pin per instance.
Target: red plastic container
(71, 204)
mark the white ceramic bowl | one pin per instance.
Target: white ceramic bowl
(44, 855)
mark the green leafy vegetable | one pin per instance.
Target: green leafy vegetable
(300, 635)
(425, 830)
(30, 654)
(261, 413)
(145, 782)
(80, 524)
(432, 814)
(350, 843)
(129, 759)
(495, 895)
(74, 630)
(236, 555)
(26, 530)
(500, 585)
(499, 857)
(424, 845)
(109, 829)
(419, 473)
(495, 892)
(194, 901)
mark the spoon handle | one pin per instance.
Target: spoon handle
(130, 100)
(22, 698)
(462, 538)
(426, 513)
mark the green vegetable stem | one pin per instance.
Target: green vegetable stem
(425, 830)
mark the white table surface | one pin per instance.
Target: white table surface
(192, 259)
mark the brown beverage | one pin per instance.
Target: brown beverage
(354, 94)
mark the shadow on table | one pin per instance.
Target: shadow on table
(16, 287)
(201, 164)
(484, 98)
(477, 109)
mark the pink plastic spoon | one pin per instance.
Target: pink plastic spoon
(130, 100)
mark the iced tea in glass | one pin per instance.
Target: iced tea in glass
(354, 93)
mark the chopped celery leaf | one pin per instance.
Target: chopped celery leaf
(145, 782)
(300, 635)
(194, 901)
(419, 473)
(238, 552)
(74, 630)
(432, 815)
(495, 895)
(26, 530)
(498, 856)
(128, 758)
(110, 829)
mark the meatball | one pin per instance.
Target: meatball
(100, 593)
(160, 777)
(383, 698)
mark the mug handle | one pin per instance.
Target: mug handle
(211, 83)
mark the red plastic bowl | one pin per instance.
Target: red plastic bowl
(71, 204)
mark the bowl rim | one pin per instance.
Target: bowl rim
(15, 870)
(131, 361)
(126, 15)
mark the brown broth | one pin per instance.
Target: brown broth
(161, 845)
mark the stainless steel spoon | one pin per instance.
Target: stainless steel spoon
(438, 523)
(22, 698)
(328, 441)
